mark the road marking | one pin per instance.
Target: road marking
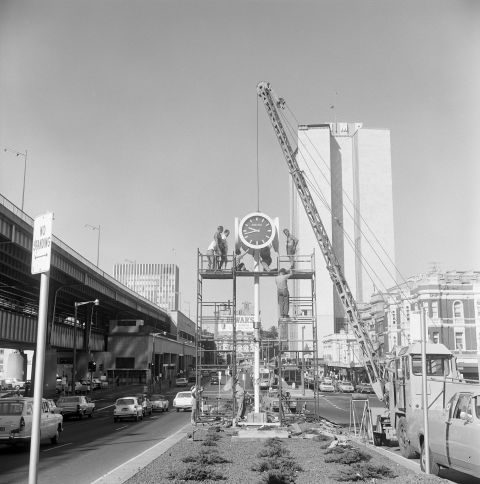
(120, 428)
(103, 408)
(129, 470)
(56, 447)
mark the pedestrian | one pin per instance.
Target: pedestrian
(224, 249)
(282, 292)
(196, 393)
(292, 243)
(265, 258)
(117, 380)
(213, 249)
(241, 401)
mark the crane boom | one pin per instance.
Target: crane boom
(373, 368)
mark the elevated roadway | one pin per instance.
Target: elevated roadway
(72, 279)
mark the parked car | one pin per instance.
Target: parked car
(76, 405)
(326, 385)
(183, 400)
(453, 433)
(127, 407)
(159, 402)
(181, 382)
(146, 404)
(16, 415)
(364, 388)
(345, 386)
(214, 380)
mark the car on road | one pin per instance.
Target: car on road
(326, 385)
(12, 384)
(364, 388)
(147, 408)
(214, 380)
(159, 402)
(345, 386)
(82, 386)
(183, 401)
(53, 406)
(181, 382)
(76, 406)
(98, 383)
(16, 415)
(127, 407)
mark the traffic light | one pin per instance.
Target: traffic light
(92, 366)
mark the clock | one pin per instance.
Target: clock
(256, 230)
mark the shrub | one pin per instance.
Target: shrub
(346, 455)
(285, 464)
(276, 477)
(196, 473)
(362, 472)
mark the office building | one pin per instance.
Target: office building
(159, 283)
(348, 170)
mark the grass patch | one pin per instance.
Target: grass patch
(196, 472)
(363, 472)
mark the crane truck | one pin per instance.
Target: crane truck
(398, 381)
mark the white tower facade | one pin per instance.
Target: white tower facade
(348, 169)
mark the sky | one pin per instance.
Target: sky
(142, 117)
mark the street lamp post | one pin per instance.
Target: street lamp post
(96, 227)
(74, 365)
(134, 262)
(303, 360)
(153, 364)
(19, 153)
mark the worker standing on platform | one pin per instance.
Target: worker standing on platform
(224, 249)
(213, 250)
(292, 243)
(282, 291)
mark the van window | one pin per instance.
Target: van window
(436, 365)
(11, 408)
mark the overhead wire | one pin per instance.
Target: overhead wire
(319, 194)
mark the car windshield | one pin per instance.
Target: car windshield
(476, 403)
(158, 397)
(11, 408)
(184, 395)
(346, 382)
(68, 399)
(125, 401)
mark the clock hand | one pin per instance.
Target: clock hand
(251, 231)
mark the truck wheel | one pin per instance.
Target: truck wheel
(434, 467)
(377, 439)
(80, 416)
(54, 440)
(406, 449)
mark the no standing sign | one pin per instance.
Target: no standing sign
(42, 243)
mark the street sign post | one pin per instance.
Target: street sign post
(41, 256)
(42, 243)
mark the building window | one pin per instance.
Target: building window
(434, 309)
(436, 337)
(457, 310)
(459, 340)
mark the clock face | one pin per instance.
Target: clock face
(257, 231)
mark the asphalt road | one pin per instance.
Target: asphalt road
(91, 447)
